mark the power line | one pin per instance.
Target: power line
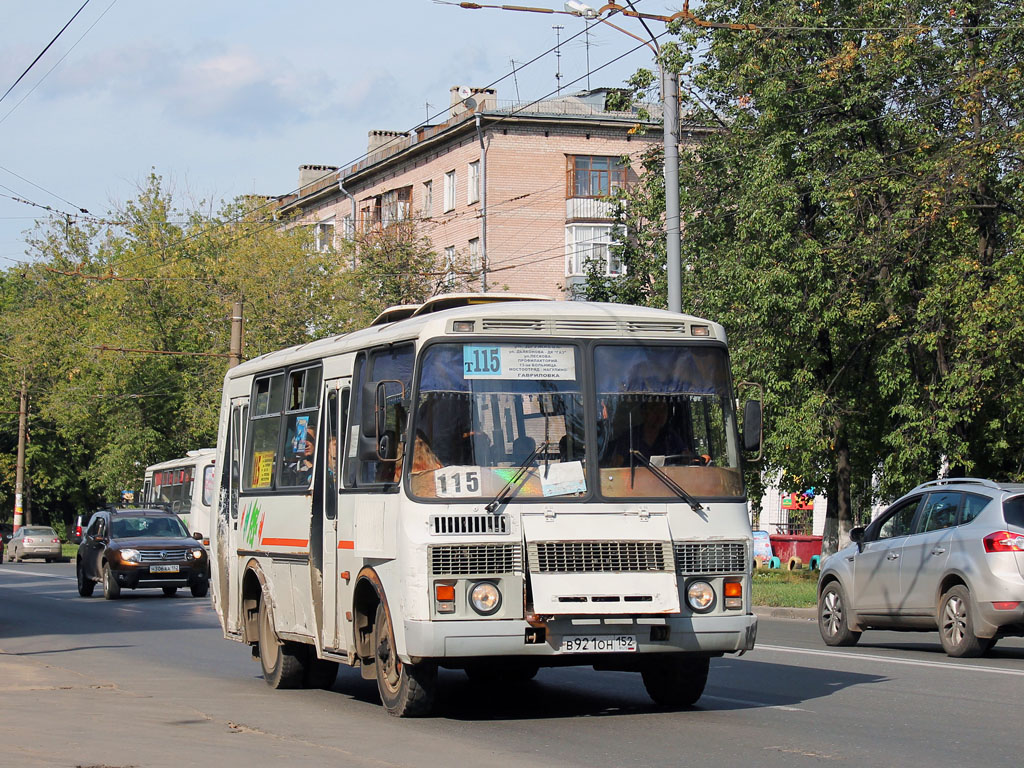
(37, 58)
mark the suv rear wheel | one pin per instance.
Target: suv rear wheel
(956, 625)
(85, 584)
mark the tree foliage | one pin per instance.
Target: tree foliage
(86, 320)
(856, 223)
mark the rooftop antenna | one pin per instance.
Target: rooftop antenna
(429, 106)
(515, 79)
(558, 58)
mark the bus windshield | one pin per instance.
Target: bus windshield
(483, 410)
(669, 406)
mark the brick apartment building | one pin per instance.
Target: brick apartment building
(515, 190)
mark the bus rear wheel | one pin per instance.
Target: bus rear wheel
(281, 660)
(676, 682)
(406, 690)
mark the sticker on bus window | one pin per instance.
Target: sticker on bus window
(456, 482)
(262, 469)
(528, 362)
(562, 479)
(353, 442)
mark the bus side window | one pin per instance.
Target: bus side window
(264, 432)
(391, 364)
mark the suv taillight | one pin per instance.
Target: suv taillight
(1004, 541)
(78, 530)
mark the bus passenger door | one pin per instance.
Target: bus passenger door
(226, 582)
(335, 413)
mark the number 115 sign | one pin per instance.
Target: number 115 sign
(518, 361)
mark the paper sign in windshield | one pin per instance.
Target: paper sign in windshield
(562, 479)
(519, 361)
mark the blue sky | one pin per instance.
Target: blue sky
(229, 98)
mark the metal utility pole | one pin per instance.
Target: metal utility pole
(558, 58)
(235, 352)
(19, 482)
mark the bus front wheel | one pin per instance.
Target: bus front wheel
(406, 690)
(676, 681)
(281, 660)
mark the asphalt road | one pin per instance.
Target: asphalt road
(148, 681)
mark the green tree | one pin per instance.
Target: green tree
(855, 224)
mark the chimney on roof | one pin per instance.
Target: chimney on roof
(378, 139)
(311, 173)
(464, 99)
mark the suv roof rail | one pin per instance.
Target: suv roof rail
(942, 481)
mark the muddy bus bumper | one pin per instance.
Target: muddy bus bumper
(515, 637)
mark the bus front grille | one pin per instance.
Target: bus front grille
(710, 558)
(474, 559)
(468, 524)
(599, 556)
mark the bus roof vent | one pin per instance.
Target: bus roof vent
(395, 313)
(453, 300)
(513, 324)
(585, 327)
(656, 326)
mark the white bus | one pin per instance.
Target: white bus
(185, 486)
(492, 485)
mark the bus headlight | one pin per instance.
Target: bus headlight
(130, 555)
(485, 597)
(700, 596)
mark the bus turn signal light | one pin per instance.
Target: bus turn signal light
(733, 595)
(444, 595)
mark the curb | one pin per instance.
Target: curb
(775, 612)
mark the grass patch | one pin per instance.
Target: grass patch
(69, 550)
(785, 589)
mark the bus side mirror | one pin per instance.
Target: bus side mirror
(752, 426)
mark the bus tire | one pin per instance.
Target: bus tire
(676, 681)
(111, 589)
(281, 660)
(406, 690)
(320, 673)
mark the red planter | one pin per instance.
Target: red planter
(785, 546)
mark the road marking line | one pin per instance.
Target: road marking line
(37, 573)
(758, 704)
(891, 660)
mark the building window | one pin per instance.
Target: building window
(396, 205)
(449, 191)
(474, 254)
(323, 236)
(473, 185)
(594, 176)
(348, 227)
(587, 243)
(428, 198)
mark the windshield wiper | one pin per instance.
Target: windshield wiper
(517, 478)
(670, 483)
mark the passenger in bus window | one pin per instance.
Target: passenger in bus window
(301, 447)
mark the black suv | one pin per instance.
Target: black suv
(138, 549)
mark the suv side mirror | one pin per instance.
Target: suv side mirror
(197, 536)
(857, 537)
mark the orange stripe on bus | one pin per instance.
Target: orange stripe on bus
(346, 545)
(286, 542)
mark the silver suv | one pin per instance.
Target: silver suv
(949, 555)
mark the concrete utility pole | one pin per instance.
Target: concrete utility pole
(235, 352)
(19, 482)
(670, 99)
